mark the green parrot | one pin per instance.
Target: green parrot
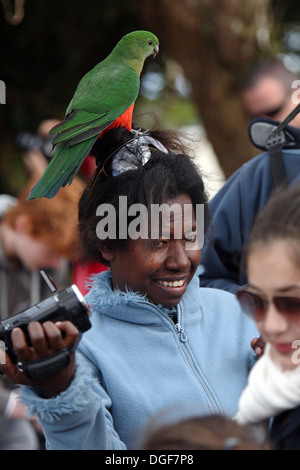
(104, 99)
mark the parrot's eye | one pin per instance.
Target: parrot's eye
(150, 42)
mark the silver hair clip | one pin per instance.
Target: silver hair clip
(129, 156)
(135, 153)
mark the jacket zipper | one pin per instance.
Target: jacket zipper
(183, 338)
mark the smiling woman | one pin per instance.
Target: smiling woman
(162, 267)
(157, 339)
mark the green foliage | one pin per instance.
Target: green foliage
(170, 112)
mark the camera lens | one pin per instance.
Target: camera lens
(27, 141)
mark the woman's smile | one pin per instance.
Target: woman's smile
(176, 283)
(172, 287)
(283, 348)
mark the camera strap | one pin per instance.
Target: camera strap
(40, 369)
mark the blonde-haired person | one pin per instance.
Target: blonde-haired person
(35, 235)
(272, 299)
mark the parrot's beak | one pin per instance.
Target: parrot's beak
(155, 51)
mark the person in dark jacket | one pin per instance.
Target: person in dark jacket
(233, 210)
(268, 92)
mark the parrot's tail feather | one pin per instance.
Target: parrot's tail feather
(62, 169)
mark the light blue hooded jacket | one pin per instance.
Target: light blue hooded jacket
(136, 362)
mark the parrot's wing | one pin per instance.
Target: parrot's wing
(101, 97)
(78, 132)
(75, 133)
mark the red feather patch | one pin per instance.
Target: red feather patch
(125, 120)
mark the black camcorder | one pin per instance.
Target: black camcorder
(27, 141)
(67, 304)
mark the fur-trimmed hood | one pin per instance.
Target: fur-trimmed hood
(104, 300)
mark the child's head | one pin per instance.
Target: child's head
(213, 432)
(279, 220)
(272, 297)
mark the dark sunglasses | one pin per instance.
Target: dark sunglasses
(268, 113)
(273, 111)
(101, 168)
(256, 305)
(136, 150)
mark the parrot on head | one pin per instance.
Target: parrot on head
(104, 99)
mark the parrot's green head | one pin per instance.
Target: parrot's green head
(135, 47)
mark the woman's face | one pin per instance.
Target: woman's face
(160, 268)
(272, 272)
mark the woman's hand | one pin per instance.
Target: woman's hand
(258, 346)
(46, 339)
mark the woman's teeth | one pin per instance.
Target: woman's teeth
(171, 283)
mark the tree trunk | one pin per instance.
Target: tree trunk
(215, 41)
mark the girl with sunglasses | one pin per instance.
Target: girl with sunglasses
(272, 300)
(158, 341)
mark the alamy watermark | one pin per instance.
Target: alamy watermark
(138, 221)
(2, 92)
(296, 354)
(296, 93)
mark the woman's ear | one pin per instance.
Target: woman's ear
(107, 252)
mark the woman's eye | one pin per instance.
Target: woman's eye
(160, 243)
(191, 239)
